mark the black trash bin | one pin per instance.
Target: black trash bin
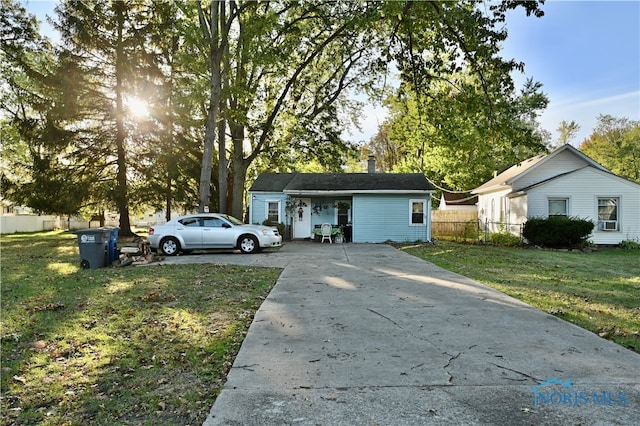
(97, 247)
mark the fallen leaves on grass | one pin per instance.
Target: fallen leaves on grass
(49, 307)
(158, 295)
(125, 346)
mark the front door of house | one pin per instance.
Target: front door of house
(302, 218)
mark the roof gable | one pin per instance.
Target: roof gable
(604, 173)
(345, 182)
(508, 174)
(518, 171)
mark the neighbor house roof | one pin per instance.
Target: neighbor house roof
(517, 171)
(606, 173)
(459, 199)
(348, 183)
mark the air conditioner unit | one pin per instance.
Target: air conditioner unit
(608, 225)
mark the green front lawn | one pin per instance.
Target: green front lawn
(144, 345)
(599, 291)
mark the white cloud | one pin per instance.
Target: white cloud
(571, 104)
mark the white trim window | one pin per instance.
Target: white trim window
(417, 212)
(273, 211)
(558, 206)
(608, 214)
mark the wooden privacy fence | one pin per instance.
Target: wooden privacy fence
(465, 226)
(455, 224)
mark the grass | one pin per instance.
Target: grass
(153, 345)
(135, 345)
(598, 291)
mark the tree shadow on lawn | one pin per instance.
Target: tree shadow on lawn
(597, 291)
(134, 345)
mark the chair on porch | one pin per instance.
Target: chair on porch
(326, 232)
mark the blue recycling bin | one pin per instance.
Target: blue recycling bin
(112, 248)
(98, 247)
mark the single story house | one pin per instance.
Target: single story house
(372, 207)
(564, 182)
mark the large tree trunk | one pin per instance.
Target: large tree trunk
(171, 165)
(171, 159)
(223, 172)
(223, 181)
(212, 34)
(121, 196)
(207, 154)
(239, 167)
(239, 177)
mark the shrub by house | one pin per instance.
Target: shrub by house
(557, 231)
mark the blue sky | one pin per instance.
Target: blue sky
(585, 53)
(587, 56)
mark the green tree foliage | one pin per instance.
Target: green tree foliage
(268, 81)
(455, 135)
(615, 143)
(111, 157)
(128, 52)
(290, 64)
(387, 152)
(456, 117)
(567, 131)
(169, 137)
(107, 39)
(279, 79)
(39, 167)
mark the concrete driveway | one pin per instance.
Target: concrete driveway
(360, 334)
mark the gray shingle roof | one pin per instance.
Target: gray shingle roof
(271, 182)
(352, 182)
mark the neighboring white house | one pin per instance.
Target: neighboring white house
(565, 182)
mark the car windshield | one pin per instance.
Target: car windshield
(232, 219)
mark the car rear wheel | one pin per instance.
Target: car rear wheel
(170, 246)
(248, 244)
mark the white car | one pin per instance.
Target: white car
(211, 231)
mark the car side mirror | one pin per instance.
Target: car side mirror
(226, 225)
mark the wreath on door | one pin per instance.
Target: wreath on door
(301, 210)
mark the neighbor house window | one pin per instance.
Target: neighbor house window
(608, 214)
(558, 207)
(418, 210)
(273, 212)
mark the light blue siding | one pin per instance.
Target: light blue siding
(258, 206)
(380, 218)
(376, 218)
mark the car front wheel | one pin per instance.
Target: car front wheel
(248, 244)
(170, 246)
